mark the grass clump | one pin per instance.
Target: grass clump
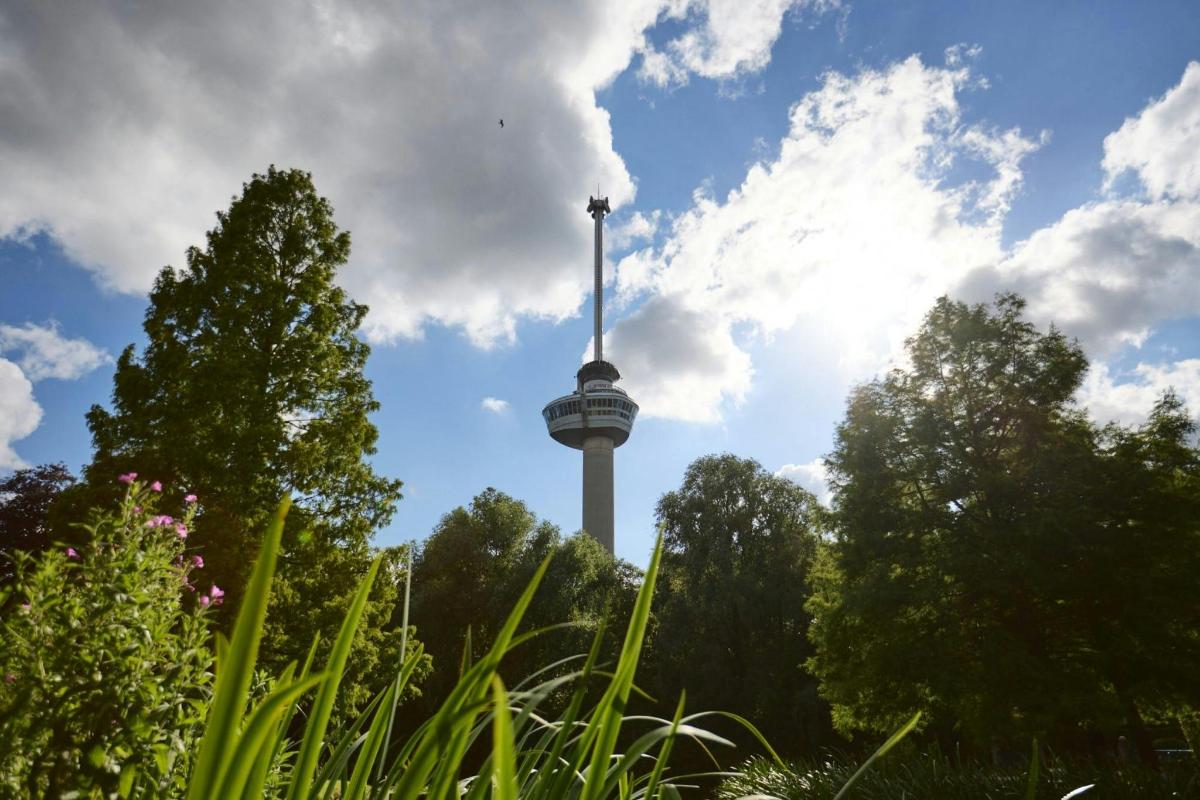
(933, 776)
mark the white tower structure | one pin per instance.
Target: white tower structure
(597, 417)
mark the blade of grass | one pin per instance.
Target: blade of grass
(254, 738)
(665, 751)
(608, 714)
(1034, 769)
(882, 751)
(504, 760)
(267, 759)
(387, 738)
(369, 751)
(434, 760)
(477, 686)
(236, 669)
(335, 667)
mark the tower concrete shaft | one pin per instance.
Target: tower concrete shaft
(598, 490)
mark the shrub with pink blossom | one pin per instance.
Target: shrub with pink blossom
(105, 656)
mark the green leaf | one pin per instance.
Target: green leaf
(1034, 769)
(254, 738)
(235, 670)
(605, 726)
(318, 721)
(504, 760)
(880, 753)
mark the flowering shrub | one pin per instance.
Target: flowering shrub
(104, 656)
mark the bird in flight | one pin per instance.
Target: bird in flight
(501, 123)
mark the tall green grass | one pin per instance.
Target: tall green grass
(528, 753)
(588, 751)
(933, 776)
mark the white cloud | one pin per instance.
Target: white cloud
(675, 363)
(125, 132)
(1160, 144)
(636, 228)
(44, 353)
(1129, 398)
(494, 405)
(882, 198)
(49, 354)
(1105, 273)
(19, 412)
(812, 476)
(730, 38)
(855, 227)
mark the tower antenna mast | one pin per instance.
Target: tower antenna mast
(598, 208)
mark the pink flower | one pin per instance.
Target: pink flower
(10, 677)
(128, 477)
(25, 606)
(217, 594)
(204, 600)
(181, 529)
(198, 562)
(189, 499)
(156, 487)
(72, 554)
(137, 509)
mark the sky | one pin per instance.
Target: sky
(793, 183)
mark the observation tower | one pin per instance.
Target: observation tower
(597, 417)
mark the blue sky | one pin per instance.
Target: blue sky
(793, 183)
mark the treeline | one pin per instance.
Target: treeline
(991, 556)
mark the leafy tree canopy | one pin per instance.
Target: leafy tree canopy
(25, 500)
(251, 386)
(475, 565)
(738, 544)
(996, 553)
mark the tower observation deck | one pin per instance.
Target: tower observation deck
(597, 417)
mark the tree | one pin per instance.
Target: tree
(1144, 627)
(25, 500)
(250, 387)
(474, 566)
(311, 593)
(979, 527)
(738, 544)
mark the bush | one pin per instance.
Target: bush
(104, 658)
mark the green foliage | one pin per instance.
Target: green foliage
(530, 756)
(999, 561)
(25, 500)
(251, 387)
(105, 661)
(311, 596)
(738, 544)
(478, 561)
(939, 777)
(252, 360)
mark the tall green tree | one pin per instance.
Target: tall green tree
(251, 386)
(1144, 627)
(981, 523)
(476, 563)
(738, 544)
